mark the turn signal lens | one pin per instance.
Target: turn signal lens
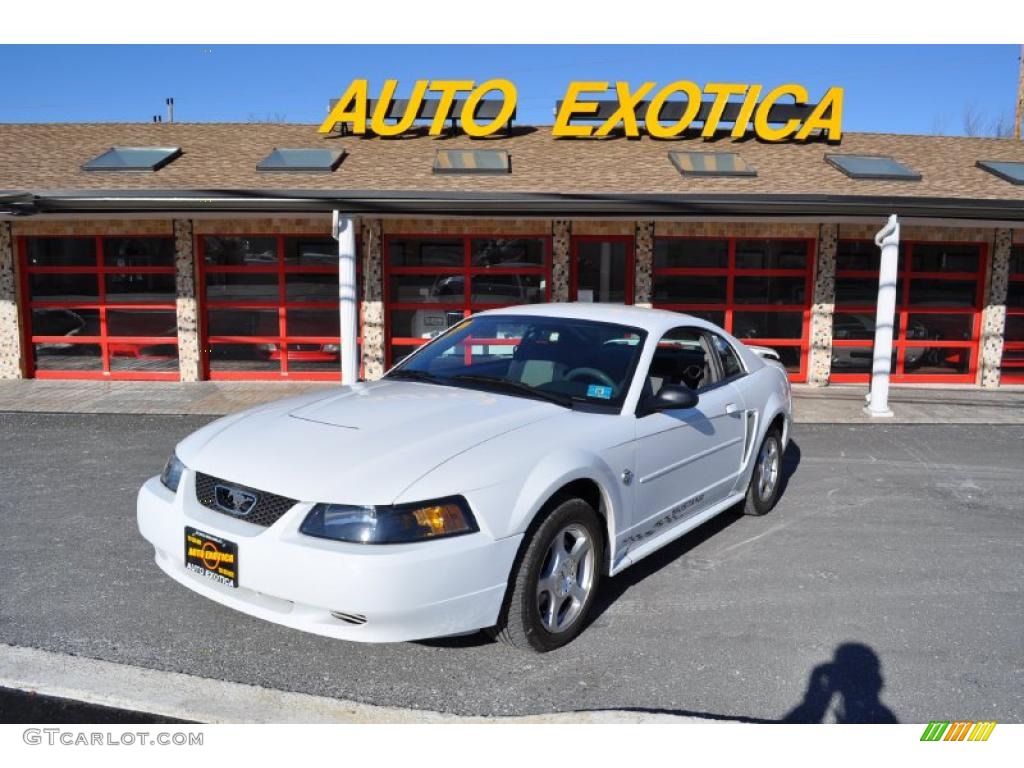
(442, 519)
(399, 524)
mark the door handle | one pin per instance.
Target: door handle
(731, 408)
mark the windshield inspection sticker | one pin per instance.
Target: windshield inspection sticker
(595, 390)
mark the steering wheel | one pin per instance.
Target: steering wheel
(593, 373)
(694, 372)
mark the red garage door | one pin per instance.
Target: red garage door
(757, 289)
(432, 282)
(100, 307)
(939, 295)
(1012, 366)
(270, 307)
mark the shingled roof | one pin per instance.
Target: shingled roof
(220, 159)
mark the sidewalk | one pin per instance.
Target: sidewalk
(828, 405)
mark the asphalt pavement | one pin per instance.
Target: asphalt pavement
(886, 585)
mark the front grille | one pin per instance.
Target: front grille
(265, 512)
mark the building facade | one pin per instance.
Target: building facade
(210, 267)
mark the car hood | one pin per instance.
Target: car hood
(357, 445)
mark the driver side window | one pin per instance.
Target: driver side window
(681, 359)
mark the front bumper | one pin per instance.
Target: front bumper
(404, 591)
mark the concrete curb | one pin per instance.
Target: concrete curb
(187, 697)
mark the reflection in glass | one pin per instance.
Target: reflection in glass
(689, 289)
(506, 289)
(410, 252)
(65, 322)
(767, 325)
(941, 257)
(309, 251)
(423, 323)
(241, 286)
(141, 288)
(514, 252)
(771, 254)
(769, 290)
(672, 252)
(68, 357)
(427, 289)
(138, 251)
(300, 286)
(239, 251)
(941, 293)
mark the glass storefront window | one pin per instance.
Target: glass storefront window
(239, 251)
(412, 252)
(138, 252)
(139, 288)
(507, 253)
(242, 286)
(771, 254)
(60, 251)
(689, 289)
(601, 271)
(682, 253)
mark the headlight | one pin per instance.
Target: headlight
(171, 476)
(390, 525)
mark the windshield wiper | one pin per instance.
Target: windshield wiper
(429, 378)
(514, 386)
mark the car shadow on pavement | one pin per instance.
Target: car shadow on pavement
(612, 589)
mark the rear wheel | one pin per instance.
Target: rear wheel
(767, 476)
(555, 579)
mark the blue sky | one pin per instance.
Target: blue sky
(903, 89)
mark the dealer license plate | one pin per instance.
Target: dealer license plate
(212, 557)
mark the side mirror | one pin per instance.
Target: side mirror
(671, 397)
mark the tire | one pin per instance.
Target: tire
(766, 479)
(547, 602)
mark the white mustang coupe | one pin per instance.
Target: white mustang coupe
(488, 481)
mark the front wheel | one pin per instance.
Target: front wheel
(767, 476)
(554, 582)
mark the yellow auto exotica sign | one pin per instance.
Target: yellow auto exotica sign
(581, 103)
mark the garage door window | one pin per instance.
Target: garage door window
(431, 283)
(757, 289)
(271, 306)
(100, 307)
(938, 309)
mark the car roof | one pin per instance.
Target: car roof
(654, 321)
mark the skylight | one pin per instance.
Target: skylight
(133, 159)
(472, 161)
(1007, 170)
(711, 164)
(872, 167)
(309, 160)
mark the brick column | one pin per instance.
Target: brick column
(993, 323)
(189, 362)
(11, 355)
(643, 263)
(561, 231)
(819, 362)
(373, 300)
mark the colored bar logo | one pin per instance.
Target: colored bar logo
(960, 730)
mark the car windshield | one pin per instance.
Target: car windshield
(563, 360)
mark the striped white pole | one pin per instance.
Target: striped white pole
(344, 231)
(888, 240)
